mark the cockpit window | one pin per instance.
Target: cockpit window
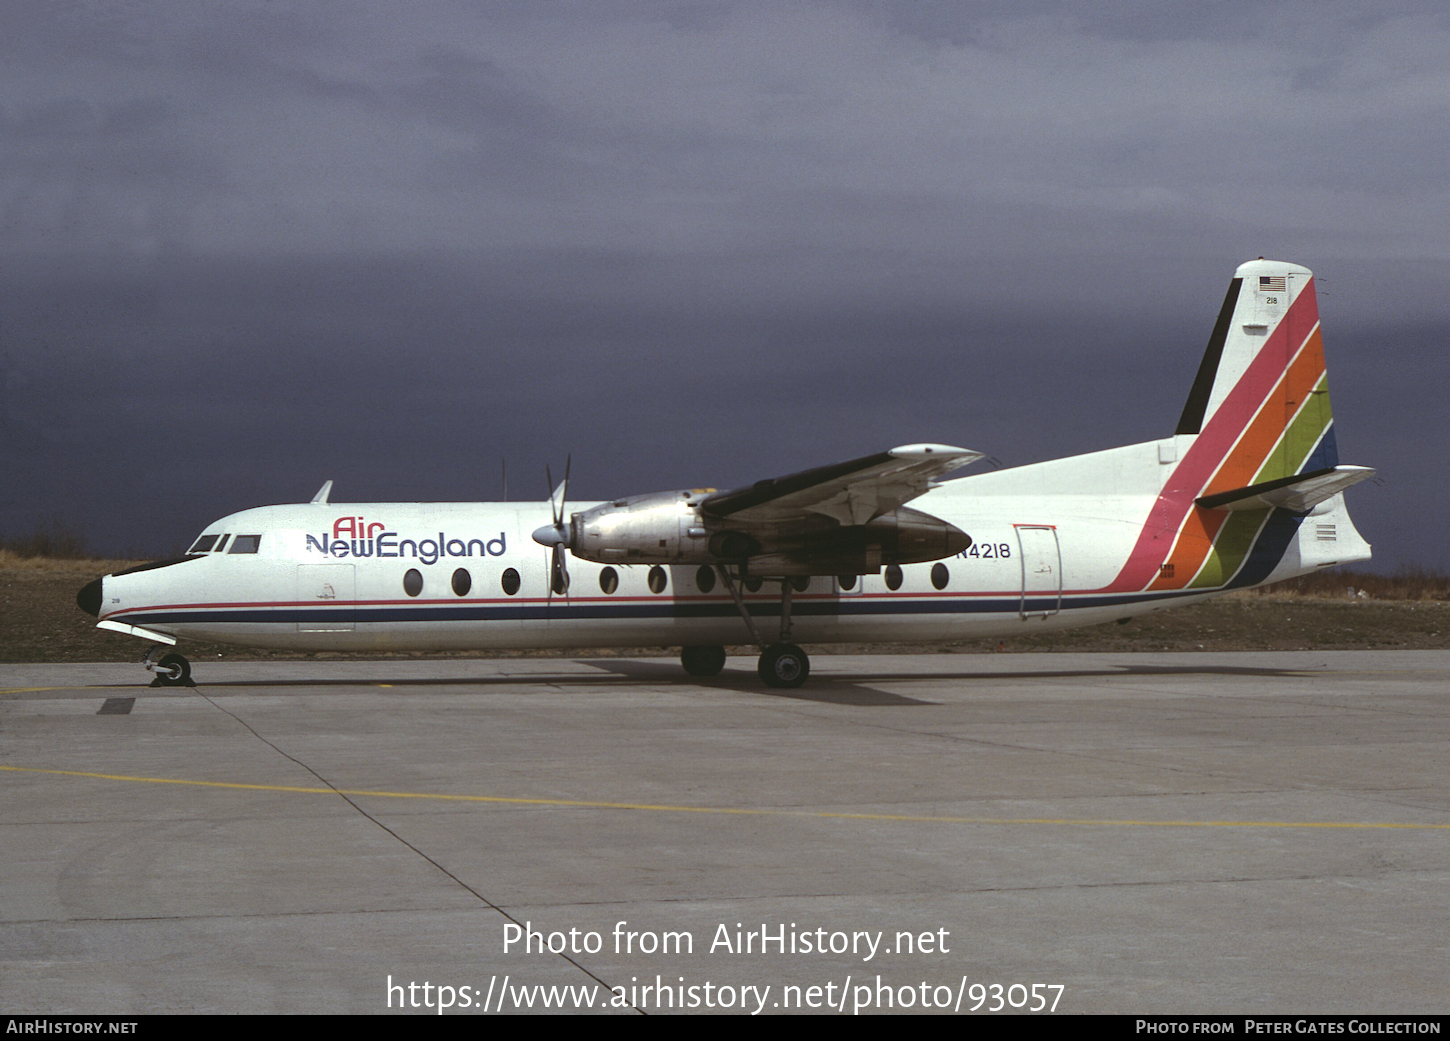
(222, 544)
(203, 544)
(245, 544)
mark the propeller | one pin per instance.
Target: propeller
(556, 535)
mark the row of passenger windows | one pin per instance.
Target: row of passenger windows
(462, 582)
(658, 579)
(218, 544)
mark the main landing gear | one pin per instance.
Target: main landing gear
(782, 664)
(703, 661)
(169, 668)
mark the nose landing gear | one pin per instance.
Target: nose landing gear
(169, 668)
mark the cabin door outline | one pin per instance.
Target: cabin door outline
(1041, 557)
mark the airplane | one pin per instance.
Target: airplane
(1247, 490)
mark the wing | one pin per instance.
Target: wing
(850, 493)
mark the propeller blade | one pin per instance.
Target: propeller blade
(555, 534)
(564, 489)
(559, 571)
(557, 500)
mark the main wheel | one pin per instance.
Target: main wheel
(173, 670)
(784, 665)
(703, 661)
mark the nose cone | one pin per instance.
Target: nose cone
(89, 598)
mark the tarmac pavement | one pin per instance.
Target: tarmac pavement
(1247, 833)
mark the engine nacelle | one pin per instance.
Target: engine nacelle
(661, 528)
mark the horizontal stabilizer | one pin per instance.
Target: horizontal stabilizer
(1300, 493)
(136, 630)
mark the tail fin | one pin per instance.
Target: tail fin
(1258, 413)
(1262, 379)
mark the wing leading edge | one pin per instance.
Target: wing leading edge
(850, 493)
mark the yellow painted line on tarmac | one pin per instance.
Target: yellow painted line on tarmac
(736, 811)
(68, 686)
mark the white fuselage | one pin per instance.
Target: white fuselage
(1051, 546)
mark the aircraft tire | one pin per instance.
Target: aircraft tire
(784, 665)
(173, 670)
(703, 661)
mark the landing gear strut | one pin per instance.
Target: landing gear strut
(170, 669)
(782, 664)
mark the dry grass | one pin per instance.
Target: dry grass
(52, 541)
(13, 561)
(1336, 584)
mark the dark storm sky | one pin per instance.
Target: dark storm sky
(245, 247)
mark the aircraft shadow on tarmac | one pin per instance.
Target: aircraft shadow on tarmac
(854, 690)
(828, 689)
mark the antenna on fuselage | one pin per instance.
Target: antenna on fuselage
(323, 493)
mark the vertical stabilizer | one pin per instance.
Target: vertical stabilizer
(1258, 412)
(1268, 329)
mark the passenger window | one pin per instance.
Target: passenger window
(658, 579)
(801, 583)
(510, 581)
(893, 576)
(203, 544)
(940, 576)
(847, 581)
(245, 544)
(705, 578)
(753, 584)
(609, 580)
(413, 582)
(222, 544)
(462, 582)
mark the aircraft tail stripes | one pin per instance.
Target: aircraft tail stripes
(1258, 412)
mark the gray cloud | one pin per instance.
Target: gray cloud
(254, 245)
(352, 128)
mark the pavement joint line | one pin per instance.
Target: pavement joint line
(738, 810)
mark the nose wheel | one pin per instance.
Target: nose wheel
(784, 665)
(170, 669)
